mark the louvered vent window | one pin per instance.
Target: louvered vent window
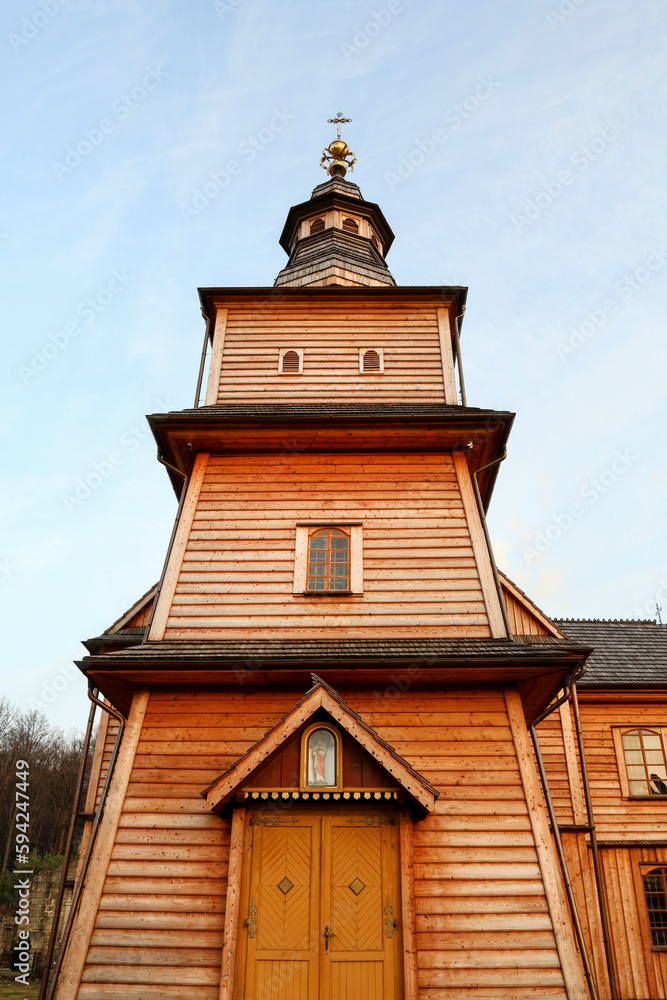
(374, 241)
(317, 226)
(291, 362)
(371, 361)
(350, 226)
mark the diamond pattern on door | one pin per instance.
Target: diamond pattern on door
(284, 911)
(330, 869)
(356, 856)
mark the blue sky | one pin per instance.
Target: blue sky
(516, 148)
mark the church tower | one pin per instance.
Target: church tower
(325, 786)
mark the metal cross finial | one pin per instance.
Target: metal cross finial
(338, 120)
(658, 615)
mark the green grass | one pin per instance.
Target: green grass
(14, 991)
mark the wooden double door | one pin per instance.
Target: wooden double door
(320, 915)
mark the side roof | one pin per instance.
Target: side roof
(625, 653)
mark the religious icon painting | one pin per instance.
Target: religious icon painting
(320, 757)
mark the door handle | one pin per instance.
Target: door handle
(327, 937)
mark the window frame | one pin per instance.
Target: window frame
(303, 531)
(379, 351)
(338, 750)
(287, 350)
(647, 868)
(617, 735)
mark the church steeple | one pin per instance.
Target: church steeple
(336, 238)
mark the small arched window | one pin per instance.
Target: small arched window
(350, 226)
(655, 890)
(328, 560)
(320, 757)
(317, 226)
(291, 361)
(644, 762)
(371, 360)
(374, 241)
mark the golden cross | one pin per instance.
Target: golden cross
(338, 120)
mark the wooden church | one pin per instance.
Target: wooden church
(314, 774)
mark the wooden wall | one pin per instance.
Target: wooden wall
(619, 818)
(331, 331)
(419, 570)
(522, 621)
(641, 973)
(483, 925)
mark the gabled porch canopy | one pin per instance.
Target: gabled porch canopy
(321, 696)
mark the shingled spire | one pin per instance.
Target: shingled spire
(336, 238)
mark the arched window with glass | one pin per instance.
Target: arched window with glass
(655, 889)
(328, 560)
(321, 758)
(644, 762)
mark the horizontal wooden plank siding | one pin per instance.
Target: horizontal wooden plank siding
(617, 816)
(482, 921)
(552, 745)
(331, 333)
(159, 926)
(419, 571)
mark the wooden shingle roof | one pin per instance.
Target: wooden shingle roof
(625, 653)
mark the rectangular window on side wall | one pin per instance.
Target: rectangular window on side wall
(641, 760)
(328, 559)
(654, 879)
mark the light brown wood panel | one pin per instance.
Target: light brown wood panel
(429, 905)
(474, 858)
(182, 976)
(121, 938)
(162, 957)
(458, 923)
(509, 992)
(147, 904)
(476, 939)
(115, 991)
(466, 855)
(331, 334)
(619, 817)
(164, 886)
(497, 977)
(130, 921)
(415, 530)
